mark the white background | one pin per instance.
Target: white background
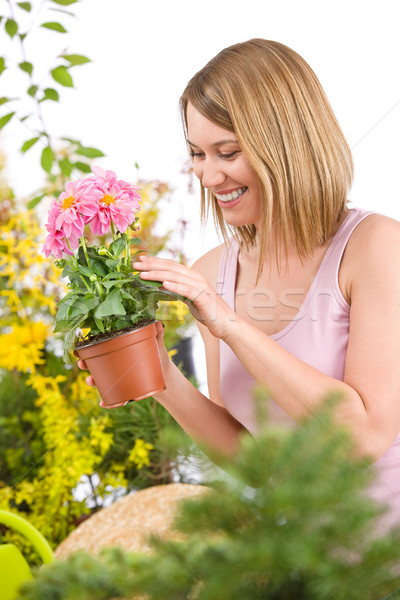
(144, 52)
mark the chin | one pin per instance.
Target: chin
(236, 221)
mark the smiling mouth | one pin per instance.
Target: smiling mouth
(231, 196)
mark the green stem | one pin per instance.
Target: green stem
(99, 290)
(113, 231)
(86, 283)
(127, 253)
(82, 240)
(73, 255)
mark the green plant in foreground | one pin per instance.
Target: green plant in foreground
(291, 522)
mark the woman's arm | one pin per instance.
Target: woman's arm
(371, 387)
(203, 420)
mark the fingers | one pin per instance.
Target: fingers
(175, 277)
(159, 329)
(113, 406)
(90, 381)
(161, 268)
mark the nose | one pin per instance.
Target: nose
(210, 172)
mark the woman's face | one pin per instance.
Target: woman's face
(222, 167)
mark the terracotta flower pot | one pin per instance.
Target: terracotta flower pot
(125, 367)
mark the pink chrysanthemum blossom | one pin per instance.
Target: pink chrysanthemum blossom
(56, 242)
(76, 205)
(117, 201)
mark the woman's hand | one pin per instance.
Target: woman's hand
(205, 304)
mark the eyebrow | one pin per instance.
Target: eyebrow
(218, 143)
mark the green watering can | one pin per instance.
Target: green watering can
(14, 570)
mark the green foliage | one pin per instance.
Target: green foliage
(291, 522)
(29, 20)
(21, 432)
(106, 294)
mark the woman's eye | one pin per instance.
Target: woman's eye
(195, 154)
(230, 155)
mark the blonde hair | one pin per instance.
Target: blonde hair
(271, 98)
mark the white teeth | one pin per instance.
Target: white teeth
(231, 196)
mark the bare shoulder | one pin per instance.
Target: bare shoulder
(208, 264)
(373, 251)
(375, 238)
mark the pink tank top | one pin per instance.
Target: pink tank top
(318, 335)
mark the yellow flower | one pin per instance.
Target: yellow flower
(140, 453)
(22, 348)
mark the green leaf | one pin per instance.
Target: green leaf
(32, 90)
(99, 324)
(22, 36)
(67, 271)
(62, 10)
(61, 75)
(4, 99)
(26, 66)
(61, 325)
(114, 275)
(108, 284)
(35, 201)
(25, 6)
(2, 65)
(118, 246)
(64, 2)
(70, 140)
(66, 167)
(98, 267)
(51, 94)
(112, 305)
(47, 159)
(82, 306)
(4, 120)
(76, 59)
(89, 152)
(54, 26)
(87, 271)
(112, 264)
(11, 27)
(28, 144)
(81, 166)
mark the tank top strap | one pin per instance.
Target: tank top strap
(227, 273)
(329, 270)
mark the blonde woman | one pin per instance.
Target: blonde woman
(303, 296)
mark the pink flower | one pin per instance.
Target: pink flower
(117, 201)
(76, 206)
(56, 242)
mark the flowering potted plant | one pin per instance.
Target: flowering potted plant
(107, 297)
